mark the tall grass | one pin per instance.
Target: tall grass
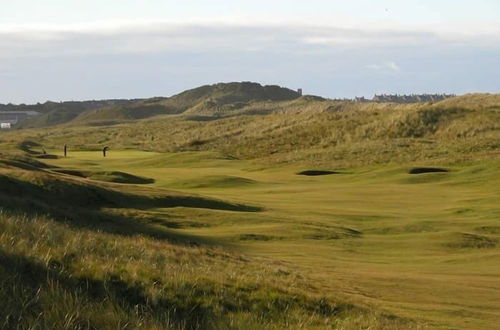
(67, 263)
(76, 254)
(57, 277)
(296, 130)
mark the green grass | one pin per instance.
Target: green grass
(54, 276)
(116, 257)
(412, 245)
(198, 224)
(312, 132)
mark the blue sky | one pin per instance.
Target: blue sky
(63, 50)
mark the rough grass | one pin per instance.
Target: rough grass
(248, 243)
(309, 131)
(472, 241)
(373, 235)
(58, 275)
(80, 266)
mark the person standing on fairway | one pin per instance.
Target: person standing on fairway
(65, 150)
(104, 151)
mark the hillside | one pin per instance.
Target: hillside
(300, 213)
(204, 100)
(55, 113)
(70, 105)
(81, 253)
(310, 130)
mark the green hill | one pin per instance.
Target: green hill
(234, 209)
(228, 93)
(81, 254)
(55, 113)
(309, 130)
(215, 101)
(209, 99)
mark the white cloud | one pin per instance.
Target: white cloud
(142, 58)
(122, 37)
(387, 66)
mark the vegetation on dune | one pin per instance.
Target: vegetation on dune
(317, 132)
(290, 212)
(56, 277)
(210, 99)
(146, 261)
(93, 270)
(223, 94)
(55, 113)
(81, 201)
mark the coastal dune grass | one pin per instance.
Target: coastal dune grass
(203, 220)
(99, 262)
(375, 235)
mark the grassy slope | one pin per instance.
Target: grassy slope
(424, 247)
(310, 131)
(53, 113)
(205, 100)
(210, 99)
(84, 254)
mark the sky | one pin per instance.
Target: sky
(76, 50)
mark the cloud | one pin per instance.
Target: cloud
(387, 66)
(141, 59)
(149, 37)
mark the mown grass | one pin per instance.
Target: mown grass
(92, 264)
(353, 233)
(252, 243)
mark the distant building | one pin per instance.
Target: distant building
(413, 98)
(360, 99)
(14, 117)
(5, 125)
(299, 91)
